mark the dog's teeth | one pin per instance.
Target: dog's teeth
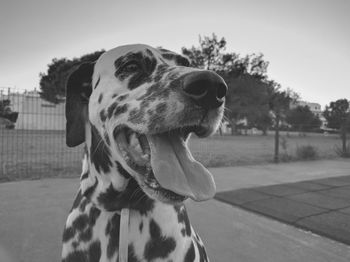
(146, 157)
(153, 184)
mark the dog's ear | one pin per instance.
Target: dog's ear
(78, 91)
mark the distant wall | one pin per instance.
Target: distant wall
(38, 114)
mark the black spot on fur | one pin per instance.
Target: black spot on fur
(120, 110)
(114, 95)
(147, 64)
(76, 256)
(83, 204)
(95, 252)
(98, 81)
(190, 255)
(161, 108)
(111, 109)
(75, 244)
(103, 115)
(100, 98)
(109, 198)
(68, 234)
(84, 176)
(88, 192)
(112, 233)
(136, 116)
(141, 227)
(100, 153)
(131, 254)
(146, 206)
(93, 216)
(183, 218)
(137, 80)
(86, 235)
(122, 97)
(87, 224)
(178, 59)
(116, 110)
(159, 246)
(131, 197)
(122, 171)
(77, 200)
(81, 222)
(137, 199)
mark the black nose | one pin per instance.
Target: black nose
(206, 88)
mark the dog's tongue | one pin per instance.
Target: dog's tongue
(175, 168)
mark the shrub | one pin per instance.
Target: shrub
(306, 152)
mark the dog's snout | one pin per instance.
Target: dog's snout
(207, 89)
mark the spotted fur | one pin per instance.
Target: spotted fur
(140, 87)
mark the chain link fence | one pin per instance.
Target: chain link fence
(32, 142)
(32, 138)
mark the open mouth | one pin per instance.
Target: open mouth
(165, 167)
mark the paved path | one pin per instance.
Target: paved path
(320, 205)
(32, 214)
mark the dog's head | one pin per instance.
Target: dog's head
(135, 108)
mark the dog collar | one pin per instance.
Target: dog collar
(124, 235)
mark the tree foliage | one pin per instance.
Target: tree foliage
(53, 82)
(337, 113)
(302, 119)
(210, 55)
(6, 112)
(247, 98)
(5, 107)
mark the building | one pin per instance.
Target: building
(34, 112)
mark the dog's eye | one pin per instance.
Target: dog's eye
(131, 67)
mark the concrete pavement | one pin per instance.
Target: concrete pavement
(320, 205)
(32, 215)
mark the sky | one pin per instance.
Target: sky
(307, 42)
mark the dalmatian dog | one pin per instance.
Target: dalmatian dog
(134, 109)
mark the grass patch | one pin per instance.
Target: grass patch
(36, 154)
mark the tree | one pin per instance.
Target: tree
(246, 98)
(5, 107)
(337, 115)
(302, 119)
(6, 112)
(53, 82)
(279, 103)
(208, 55)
